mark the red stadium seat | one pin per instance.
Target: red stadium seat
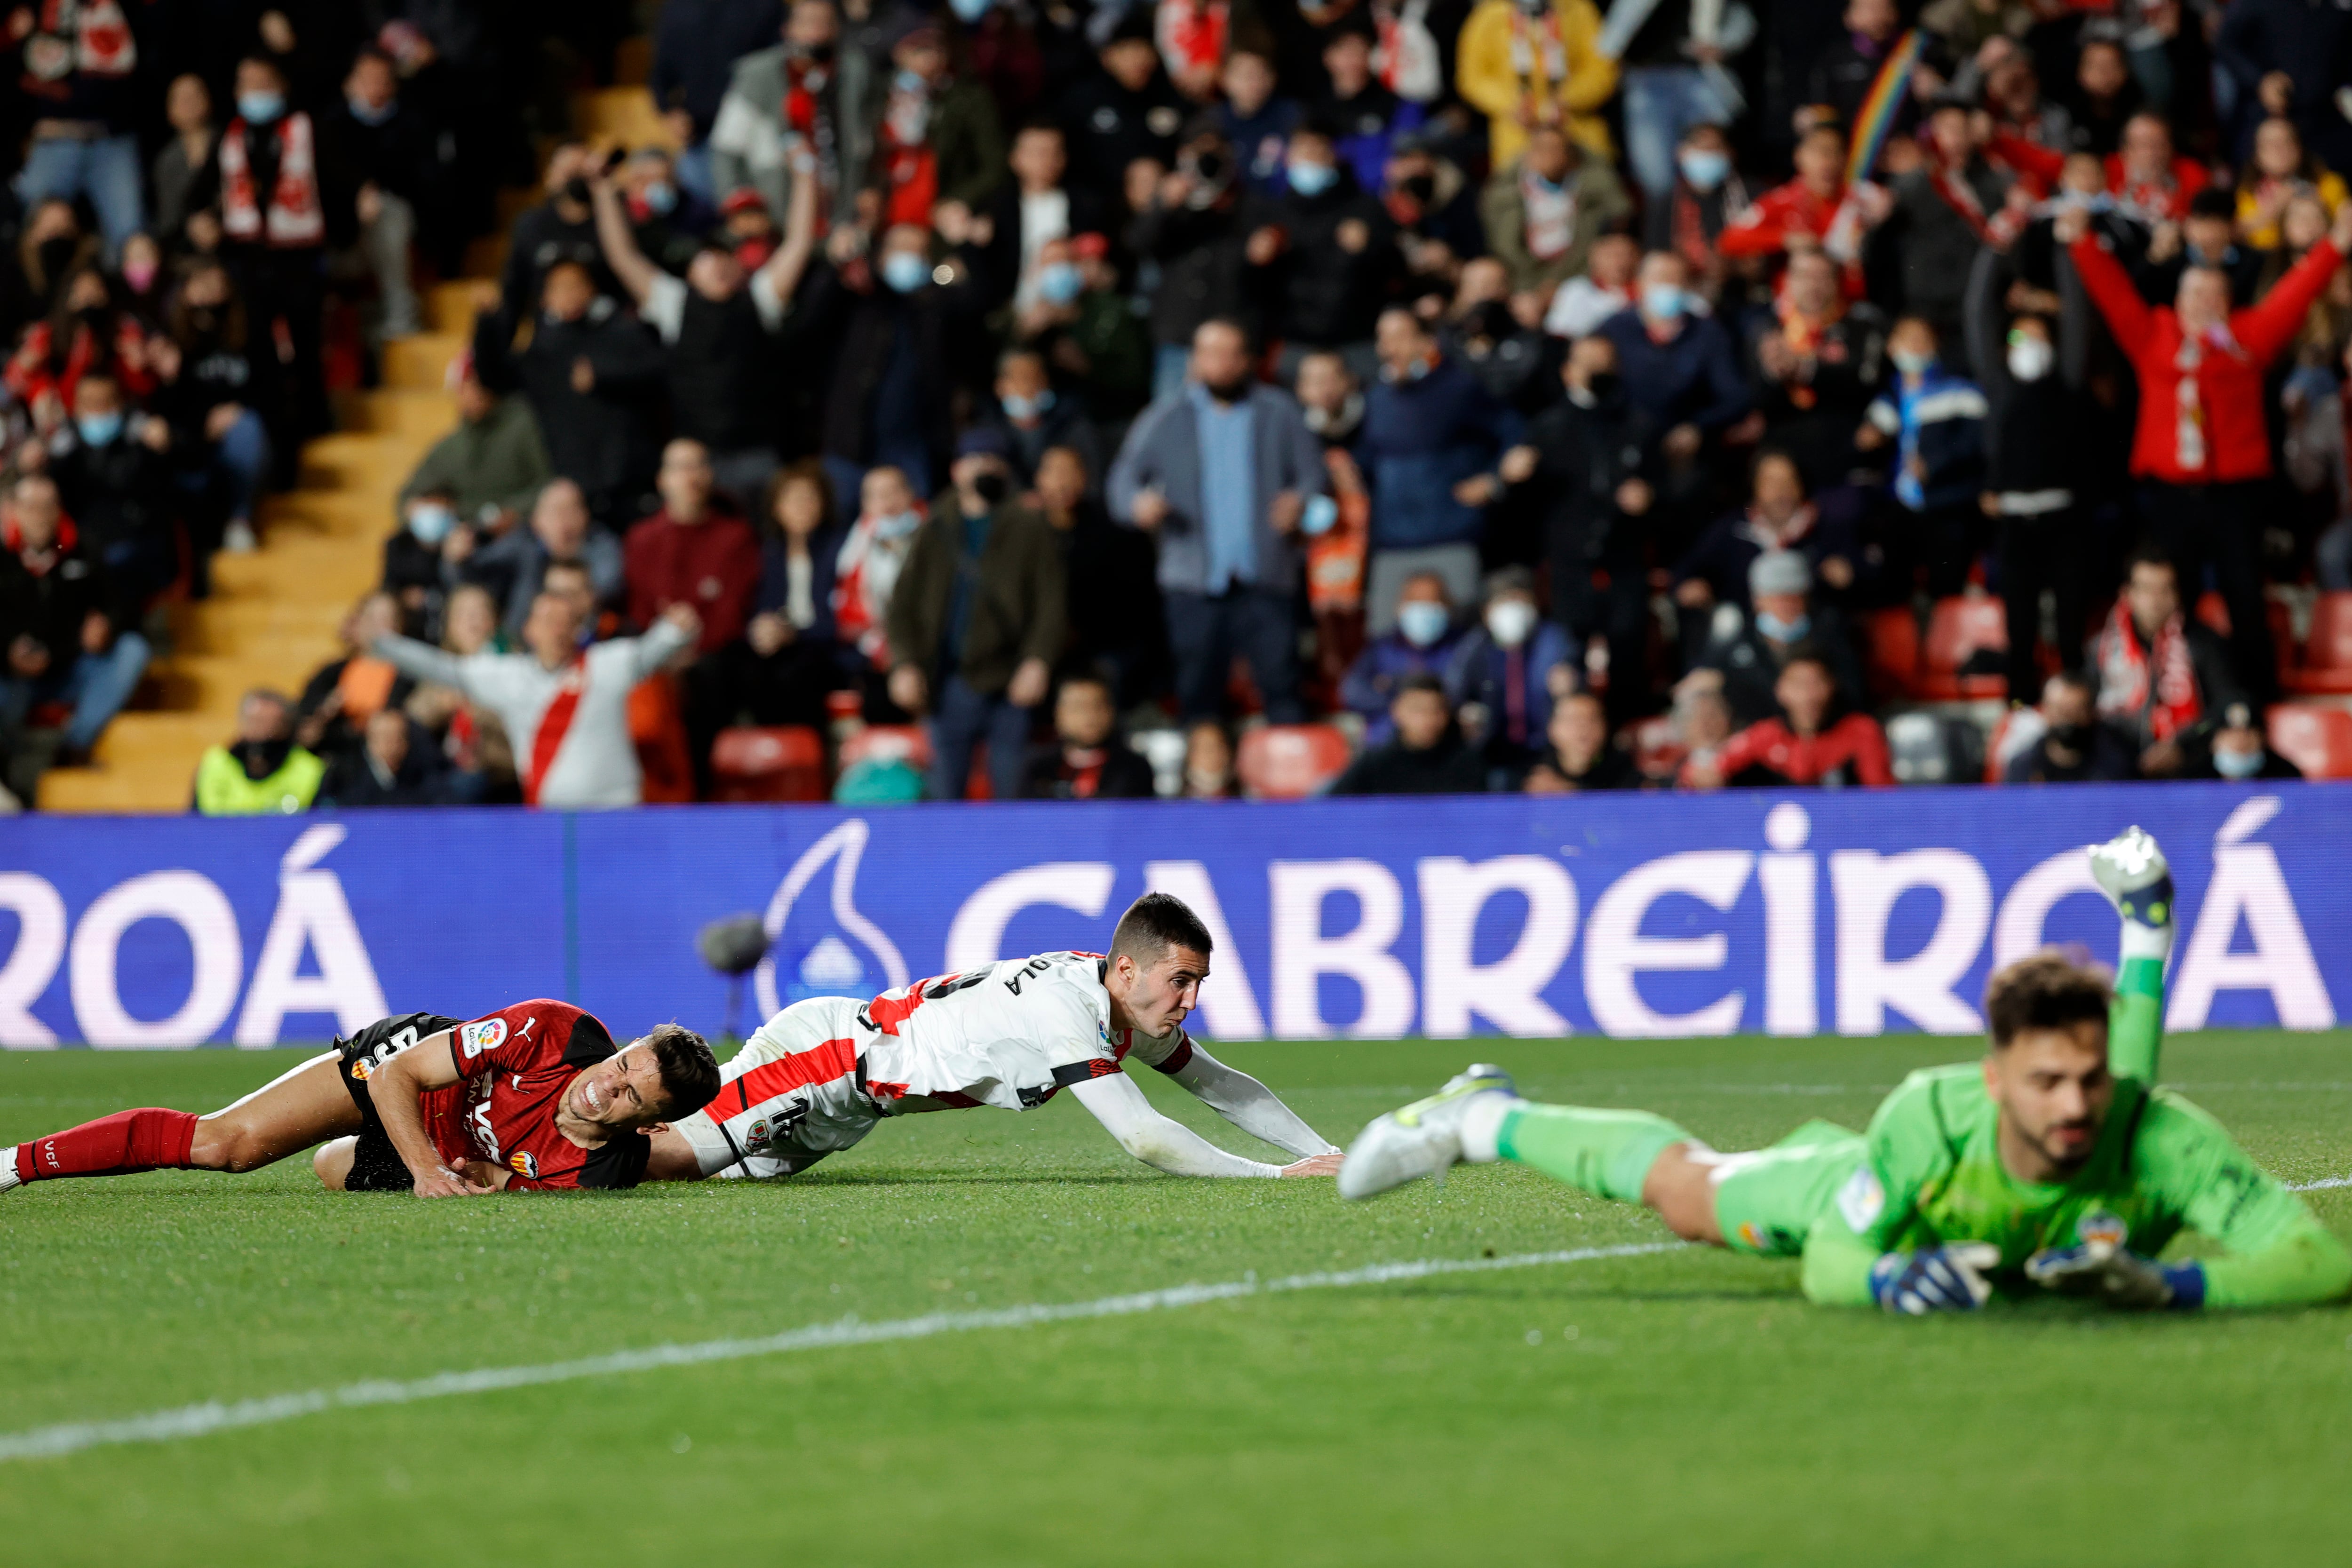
(1891, 652)
(2214, 611)
(1658, 749)
(786, 763)
(2315, 736)
(659, 732)
(908, 744)
(1289, 762)
(1957, 628)
(2327, 664)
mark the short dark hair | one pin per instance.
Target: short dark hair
(2048, 991)
(1420, 680)
(1155, 923)
(689, 1073)
(1812, 653)
(2150, 555)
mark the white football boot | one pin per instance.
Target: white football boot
(1423, 1139)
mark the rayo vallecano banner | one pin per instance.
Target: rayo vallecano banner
(1631, 916)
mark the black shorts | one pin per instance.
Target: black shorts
(376, 1165)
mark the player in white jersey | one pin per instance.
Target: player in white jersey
(817, 1077)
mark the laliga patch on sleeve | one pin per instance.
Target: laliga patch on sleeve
(473, 1039)
(1861, 1200)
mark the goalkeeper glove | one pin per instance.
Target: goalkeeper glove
(1939, 1280)
(2131, 870)
(2117, 1278)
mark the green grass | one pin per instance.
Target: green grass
(1680, 1409)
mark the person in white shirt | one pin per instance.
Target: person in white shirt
(564, 706)
(816, 1078)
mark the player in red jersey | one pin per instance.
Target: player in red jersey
(534, 1097)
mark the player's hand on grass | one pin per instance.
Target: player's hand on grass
(1324, 1164)
(2120, 1278)
(441, 1182)
(1937, 1279)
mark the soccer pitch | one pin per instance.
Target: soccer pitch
(1658, 1406)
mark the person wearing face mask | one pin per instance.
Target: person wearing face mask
(80, 96)
(514, 564)
(2202, 450)
(270, 179)
(935, 137)
(1037, 206)
(2070, 743)
(111, 475)
(1745, 651)
(385, 154)
(2238, 750)
(1675, 59)
(1679, 368)
(493, 463)
(84, 331)
(1583, 472)
(1197, 228)
(558, 229)
(1328, 256)
(1086, 326)
(2035, 443)
(1421, 641)
(418, 554)
(1034, 418)
(805, 94)
(699, 46)
(1543, 210)
(977, 619)
(1934, 419)
(1707, 194)
(1505, 677)
(1819, 360)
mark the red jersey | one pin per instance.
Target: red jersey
(1852, 750)
(513, 1066)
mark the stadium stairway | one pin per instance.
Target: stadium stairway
(273, 615)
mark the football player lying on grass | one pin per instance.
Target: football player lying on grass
(817, 1077)
(532, 1098)
(2055, 1161)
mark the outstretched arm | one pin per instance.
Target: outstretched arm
(1249, 1105)
(2131, 870)
(620, 246)
(1158, 1142)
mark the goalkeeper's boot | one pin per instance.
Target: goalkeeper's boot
(1422, 1138)
(8, 1177)
(2130, 869)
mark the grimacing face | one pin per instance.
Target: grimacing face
(623, 1092)
(2053, 1089)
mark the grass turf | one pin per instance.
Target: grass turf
(1678, 1408)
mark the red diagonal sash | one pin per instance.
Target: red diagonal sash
(554, 724)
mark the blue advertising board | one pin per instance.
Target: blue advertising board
(1793, 913)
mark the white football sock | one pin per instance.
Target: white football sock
(1481, 1124)
(2147, 940)
(8, 1177)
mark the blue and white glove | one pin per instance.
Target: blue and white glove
(1949, 1279)
(2119, 1279)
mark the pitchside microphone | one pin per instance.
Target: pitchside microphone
(734, 946)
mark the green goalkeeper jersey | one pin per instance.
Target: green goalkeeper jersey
(1930, 1173)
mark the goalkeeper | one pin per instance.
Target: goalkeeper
(2055, 1163)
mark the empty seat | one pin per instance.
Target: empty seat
(908, 744)
(2315, 736)
(1890, 651)
(2327, 652)
(1959, 628)
(786, 763)
(1289, 762)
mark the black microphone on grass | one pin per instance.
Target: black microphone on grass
(734, 947)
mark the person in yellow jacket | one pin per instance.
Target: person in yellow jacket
(1537, 62)
(263, 772)
(2279, 172)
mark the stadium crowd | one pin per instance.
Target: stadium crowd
(1180, 397)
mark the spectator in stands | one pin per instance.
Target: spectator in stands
(1778, 518)
(418, 555)
(391, 767)
(1810, 212)
(1935, 418)
(188, 106)
(492, 464)
(1432, 440)
(1602, 290)
(1576, 756)
(2162, 675)
(1525, 63)
(1843, 73)
(80, 88)
(2238, 750)
(1327, 256)
(1118, 627)
(560, 229)
(1088, 329)
(85, 333)
(1675, 80)
(564, 706)
(2073, 744)
(2207, 236)
(66, 640)
(2202, 450)
(1195, 227)
(1803, 744)
(1504, 678)
(976, 621)
(1368, 117)
(261, 773)
(331, 712)
(1819, 360)
(1125, 111)
(1036, 419)
(696, 551)
(700, 49)
(1088, 761)
(1420, 640)
(513, 565)
(1706, 195)
(1544, 210)
(790, 658)
(871, 556)
(594, 378)
(1252, 121)
(1427, 754)
(1679, 368)
(936, 137)
(388, 155)
(1943, 211)
(1208, 762)
(1221, 471)
(1747, 649)
(716, 328)
(1041, 205)
(211, 389)
(108, 465)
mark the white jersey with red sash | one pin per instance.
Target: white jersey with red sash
(292, 217)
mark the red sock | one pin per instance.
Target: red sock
(116, 1145)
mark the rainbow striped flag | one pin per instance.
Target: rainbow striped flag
(1875, 118)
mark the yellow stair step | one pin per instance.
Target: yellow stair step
(622, 115)
(421, 363)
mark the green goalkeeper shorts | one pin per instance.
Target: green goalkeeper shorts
(1766, 1200)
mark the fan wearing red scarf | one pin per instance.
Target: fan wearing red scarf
(2162, 676)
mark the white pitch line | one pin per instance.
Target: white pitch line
(200, 1420)
(2320, 1186)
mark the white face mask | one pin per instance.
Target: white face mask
(1510, 621)
(2029, 359)
(1909, 362)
